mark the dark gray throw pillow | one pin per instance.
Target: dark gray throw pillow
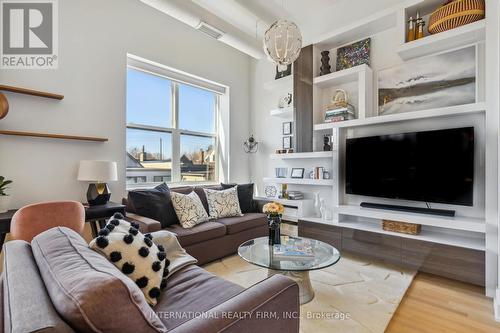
(245, 197)
(153, 203)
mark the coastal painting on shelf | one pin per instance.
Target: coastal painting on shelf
(438, 81)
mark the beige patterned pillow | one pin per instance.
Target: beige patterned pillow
(223, 203)
(189, 209)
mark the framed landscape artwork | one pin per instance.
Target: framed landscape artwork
(438, 81)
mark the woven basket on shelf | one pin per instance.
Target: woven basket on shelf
(402, 227)
(456, 14)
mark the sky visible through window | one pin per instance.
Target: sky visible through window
(152, 131)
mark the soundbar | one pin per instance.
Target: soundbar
(419, 210)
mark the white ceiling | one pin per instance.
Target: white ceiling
(245, 21)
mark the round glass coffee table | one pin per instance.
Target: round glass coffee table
(319, 255)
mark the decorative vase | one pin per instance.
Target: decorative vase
(322, 209)
(274, 223)
(4, 203)
(325, 63)
(317, 204)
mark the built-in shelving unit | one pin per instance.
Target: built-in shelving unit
(362, 75)
(448, 40)
(53, 136)
(282, 112)
(299, 181)
(280, 84)
(294, 209)
(290, 156)
(31, 92)
(457, 223)
(432, 113)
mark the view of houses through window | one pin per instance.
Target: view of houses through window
(171, 130)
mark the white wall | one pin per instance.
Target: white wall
(94, 39)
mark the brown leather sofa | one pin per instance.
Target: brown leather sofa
(210, 240)
(58, 284)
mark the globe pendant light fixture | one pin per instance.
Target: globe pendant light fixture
(282, 43)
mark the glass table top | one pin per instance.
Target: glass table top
(258, 252)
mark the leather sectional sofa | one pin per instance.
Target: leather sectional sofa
(210, 240)
(58, 284)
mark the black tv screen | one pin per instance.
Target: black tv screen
(432, 166)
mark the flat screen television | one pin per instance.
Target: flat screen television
(431, 166)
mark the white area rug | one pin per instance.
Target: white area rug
(355, 295)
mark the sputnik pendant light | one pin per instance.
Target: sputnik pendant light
(282, 43)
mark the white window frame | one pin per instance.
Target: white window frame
(221, 98)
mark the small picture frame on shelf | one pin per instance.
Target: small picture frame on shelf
(297, 173)
(281, 172)
(287, 128)
(287, 142)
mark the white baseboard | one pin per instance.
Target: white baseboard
(496, 305)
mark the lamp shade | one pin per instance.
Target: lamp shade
(97, 171)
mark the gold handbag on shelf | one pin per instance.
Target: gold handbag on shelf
(339, 109)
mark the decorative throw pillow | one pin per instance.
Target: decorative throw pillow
(189, 209)
(245, 197)
(154, 203)
(134, 254)
(223, 203)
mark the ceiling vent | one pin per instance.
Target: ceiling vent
(209, 30)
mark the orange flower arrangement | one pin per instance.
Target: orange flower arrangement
(273, 208)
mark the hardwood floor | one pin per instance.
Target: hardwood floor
(433, 305)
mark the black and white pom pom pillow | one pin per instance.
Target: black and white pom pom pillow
(134, 254)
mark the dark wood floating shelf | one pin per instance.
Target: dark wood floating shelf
(30, 92)
(54, 136)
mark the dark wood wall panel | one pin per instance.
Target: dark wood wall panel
(457, 263)
(453, 262)
(303, 101)
(325, 233)
(378, 246)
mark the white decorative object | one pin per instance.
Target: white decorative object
(322, 209)
(4, 203)
(317, 204)
(285, 101)
(282, 43)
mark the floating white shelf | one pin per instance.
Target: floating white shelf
(316, 154)
(432, 113)
(465, 241)
(285, 201)
(294, 209)
(456, 223)
(282, 112)
(470, 241)
(341, 77)
(317, 220)
(462, 36)
(285, 83)
(300, 181)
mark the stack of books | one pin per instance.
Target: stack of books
(295, 195)
(339, 114)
